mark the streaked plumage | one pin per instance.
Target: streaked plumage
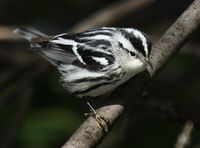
(93, 62)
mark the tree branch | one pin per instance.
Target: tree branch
(89, 134)
(111, 14)
(183, 139)
(103, 17)
(174, 38)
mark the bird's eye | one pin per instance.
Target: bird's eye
(132, 53)
(120, 45)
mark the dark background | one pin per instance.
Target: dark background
(36, 111)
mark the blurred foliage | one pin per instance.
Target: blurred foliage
(44, 128)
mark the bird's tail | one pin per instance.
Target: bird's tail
(29, 33)
(38, 42)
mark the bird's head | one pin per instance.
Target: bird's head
(137, 45)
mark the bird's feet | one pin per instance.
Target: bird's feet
(102, 122)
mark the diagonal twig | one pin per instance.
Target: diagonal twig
(185, 135)
(111, 14)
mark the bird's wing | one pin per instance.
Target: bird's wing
(74, 49)
(55, 53)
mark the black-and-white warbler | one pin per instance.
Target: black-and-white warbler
(96, 61)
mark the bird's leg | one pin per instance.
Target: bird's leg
(102, 122)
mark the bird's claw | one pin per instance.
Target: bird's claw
(102, 122)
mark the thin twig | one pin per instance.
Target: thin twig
(104, 17)
(89, 135)
(6, 33)
(165, 109)
(184, 137)
(111, 14)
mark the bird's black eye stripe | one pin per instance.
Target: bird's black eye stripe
(132, 53)
(137, 44)
(135, 41)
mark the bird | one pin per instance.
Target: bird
(96, 61)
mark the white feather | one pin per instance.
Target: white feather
(102, 61)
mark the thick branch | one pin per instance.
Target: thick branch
(89, 134)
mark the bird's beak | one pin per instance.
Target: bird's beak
(150, 64)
